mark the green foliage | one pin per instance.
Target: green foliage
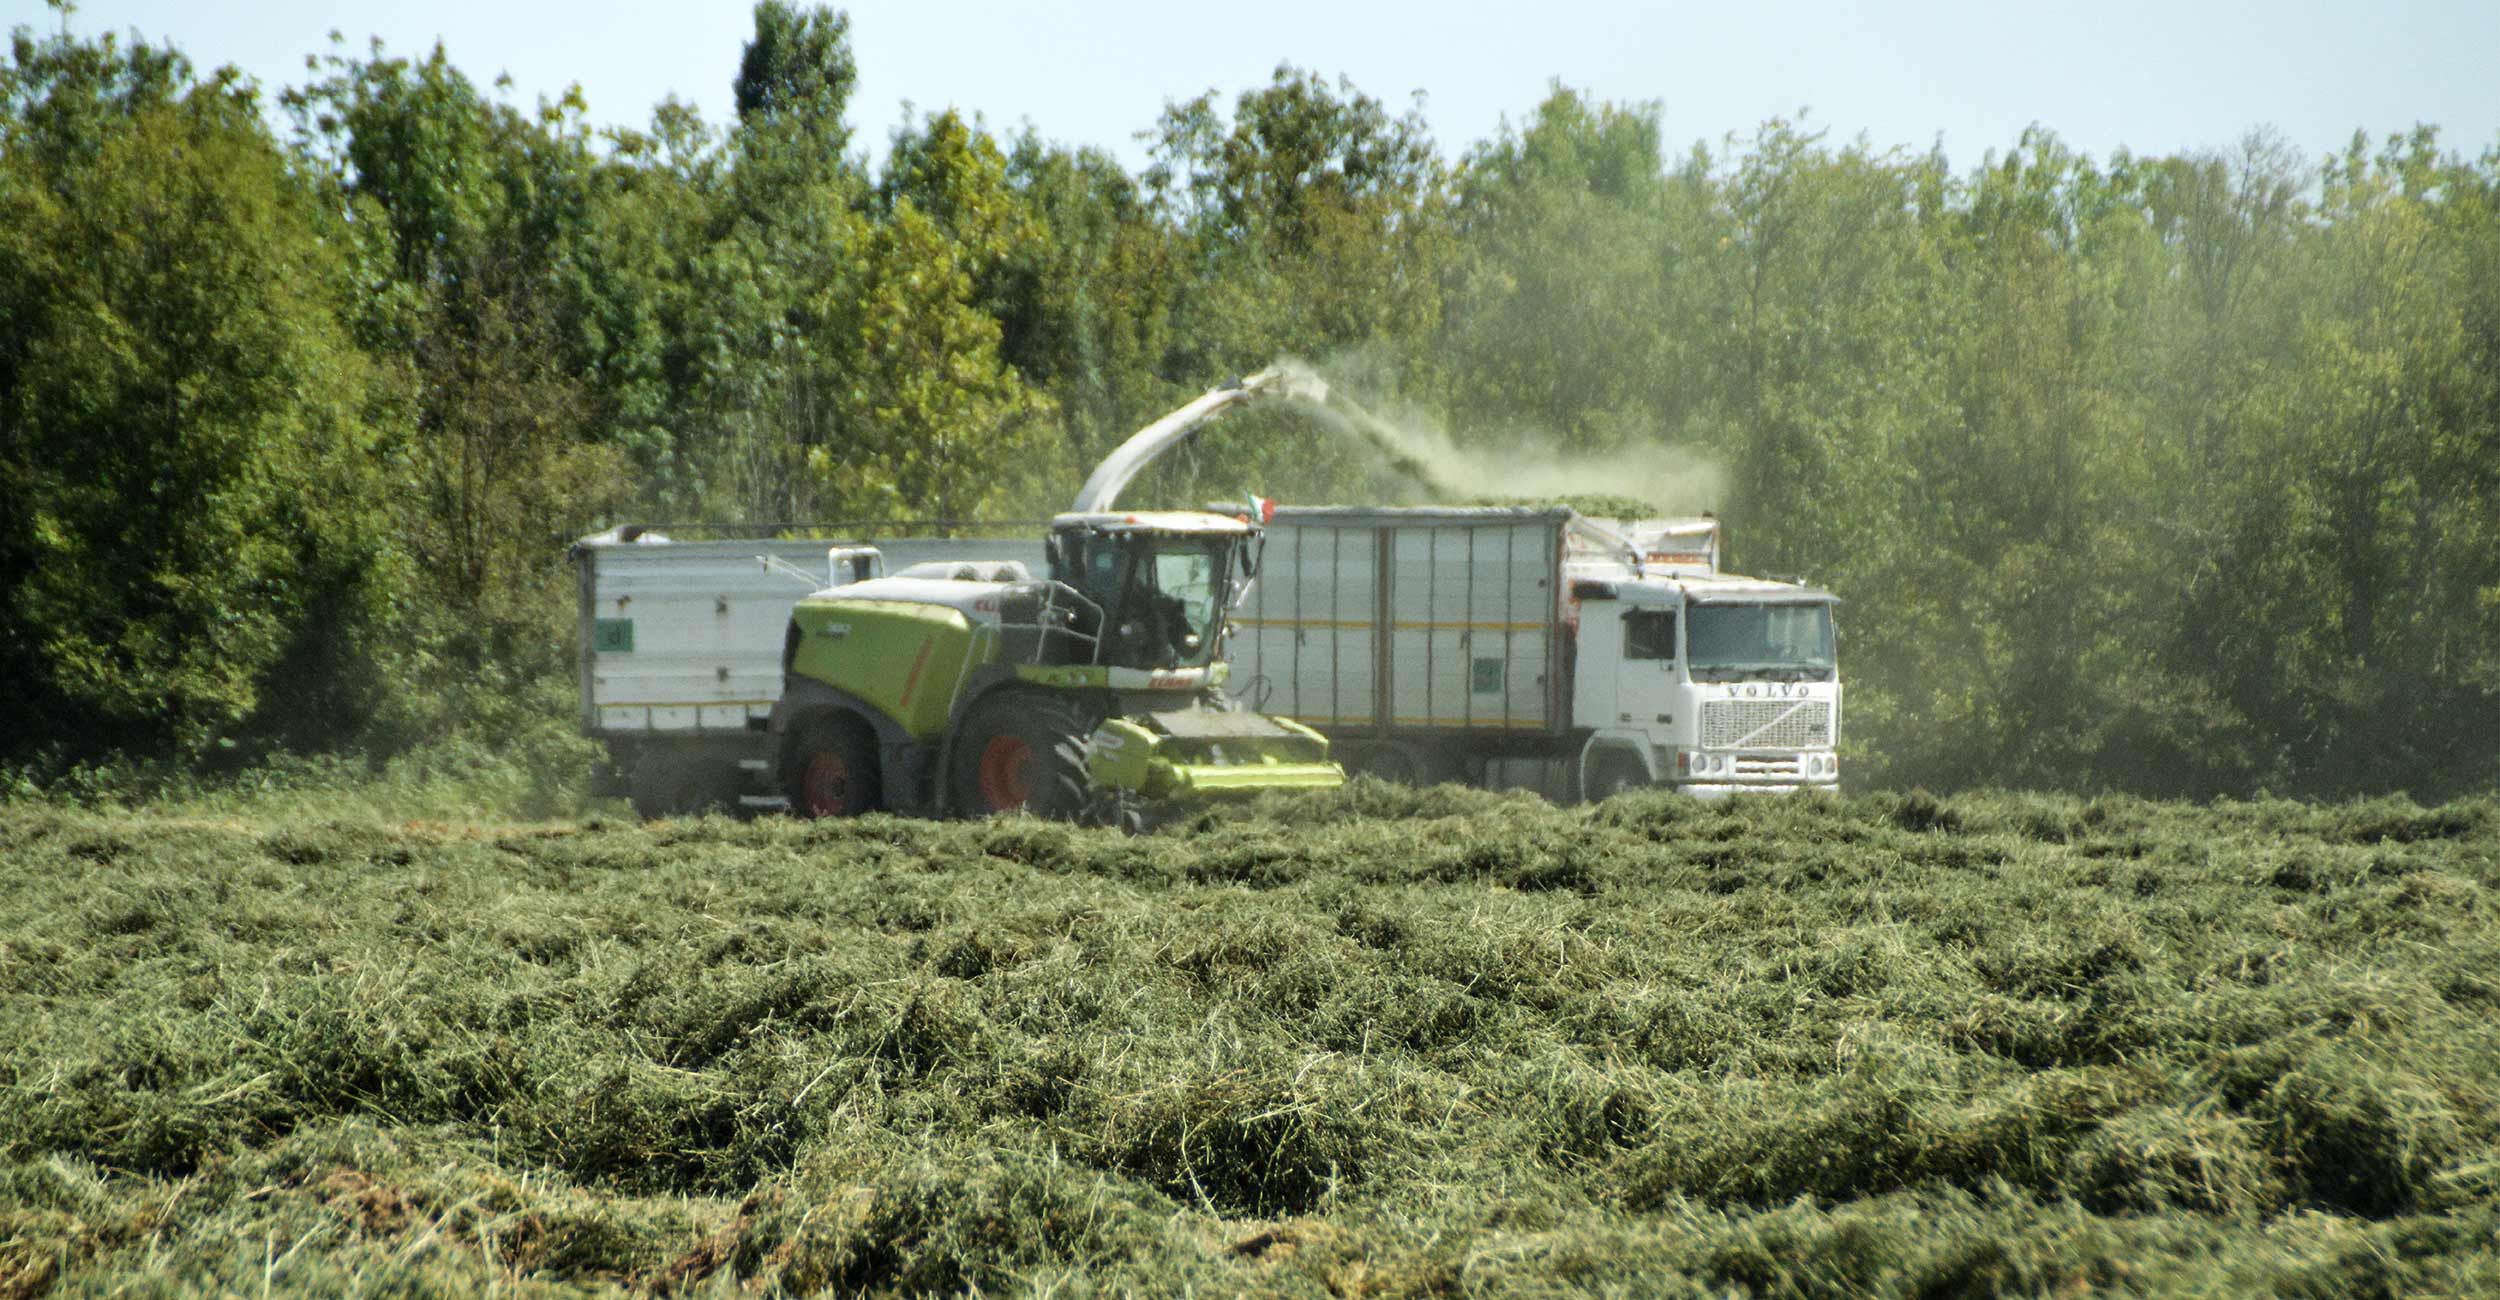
(1085, 306)
(939, 426)
(1377, 1041)
(1564, 345)
(493, 464)
(797, 74)
(1314, 225)
(185, 426)
(2176, 475)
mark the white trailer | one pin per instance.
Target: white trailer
(1536, 649)
(682, 644)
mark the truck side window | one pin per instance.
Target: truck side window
(1649, 634)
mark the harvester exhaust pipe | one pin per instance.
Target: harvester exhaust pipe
(1112, 476)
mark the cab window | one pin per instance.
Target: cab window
(1649, 634)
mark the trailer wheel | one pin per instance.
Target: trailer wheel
(677, 785)
(831, 770)
(1022, 750)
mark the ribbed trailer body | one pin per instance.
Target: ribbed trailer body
(1411, 625)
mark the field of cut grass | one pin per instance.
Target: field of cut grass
(1375, 1043)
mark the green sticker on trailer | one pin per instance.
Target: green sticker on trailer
(612, 636)
(1488, 676)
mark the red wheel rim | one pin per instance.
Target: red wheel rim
(1004, 764)
(828, 785)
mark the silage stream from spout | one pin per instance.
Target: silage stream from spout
(1385, 440)
(1665, 479)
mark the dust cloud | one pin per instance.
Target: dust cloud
(1526, 466)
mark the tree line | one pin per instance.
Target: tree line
(2177, 475)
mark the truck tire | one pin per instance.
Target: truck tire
(1022, 750)
(681, 785)
(1610, 773)
(830, 769)
(1400, 762)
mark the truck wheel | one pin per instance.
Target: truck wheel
(674, 785)
(1397, 762)
(1611, 774)
(1022, 750)
(831, 770)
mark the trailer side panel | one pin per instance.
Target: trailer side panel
(1308, 643)
(1386, 621)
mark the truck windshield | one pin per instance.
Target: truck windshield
(1791, 643)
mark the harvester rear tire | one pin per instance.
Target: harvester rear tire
(1022, 750)
(831, 770)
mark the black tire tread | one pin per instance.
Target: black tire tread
(854, 741)
(1057, 728)
(1613, 772)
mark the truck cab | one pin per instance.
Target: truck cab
(1708, 683)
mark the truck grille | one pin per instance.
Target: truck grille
(1766, 724)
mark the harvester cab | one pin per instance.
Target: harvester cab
(1159, 585)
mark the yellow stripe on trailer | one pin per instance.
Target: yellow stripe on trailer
(1341, 625)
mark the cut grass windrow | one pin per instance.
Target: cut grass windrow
(1375, 1042)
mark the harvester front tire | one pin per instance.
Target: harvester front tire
(831, 771)
(1022, 750)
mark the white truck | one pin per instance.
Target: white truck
(1535, 649)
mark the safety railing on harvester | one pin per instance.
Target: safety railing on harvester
(1050, 619)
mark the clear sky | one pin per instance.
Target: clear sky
(2153, 76)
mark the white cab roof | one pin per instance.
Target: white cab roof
(1720, 589)
(1157, 521)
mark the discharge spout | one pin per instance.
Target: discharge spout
(1112, 476)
